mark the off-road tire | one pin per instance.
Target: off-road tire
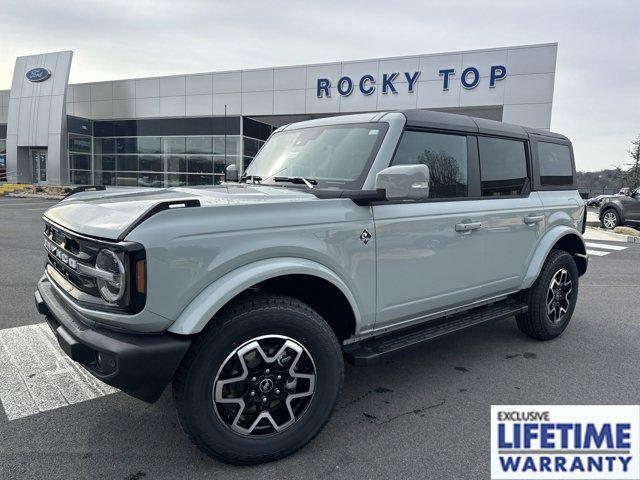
(536, 323)
(249, 317)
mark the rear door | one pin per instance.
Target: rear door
(513, 215)
(554, 179)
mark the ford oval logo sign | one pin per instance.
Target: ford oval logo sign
(38, 74)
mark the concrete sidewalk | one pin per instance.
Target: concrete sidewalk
(593, 233)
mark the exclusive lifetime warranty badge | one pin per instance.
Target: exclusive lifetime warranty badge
(565, 442)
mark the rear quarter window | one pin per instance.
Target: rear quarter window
(555, 164)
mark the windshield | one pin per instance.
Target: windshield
(330, 156)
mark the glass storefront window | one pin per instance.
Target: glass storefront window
(80, 161)
(184, 150)
(105, 178)
(176, 180)
(149, 145)
(3, 147)
(151, 163)
(150, 179)
(105, 162)
(195, 180)
(233, 145)
(104, 145)
(127, 179)
(176, 163)
(192, 153)
(251, 146)
(200, 145)
(79, 144)
(219, 163)
(198, 164)
(173, 145)
(80, 177)
(127, 163)
(127, 145)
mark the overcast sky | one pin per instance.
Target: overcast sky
(597, 93)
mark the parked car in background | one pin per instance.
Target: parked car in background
(346, 238)
(616, 210)
(595, 201)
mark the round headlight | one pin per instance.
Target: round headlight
(111, 290)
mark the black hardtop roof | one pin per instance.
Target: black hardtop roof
(465, 123)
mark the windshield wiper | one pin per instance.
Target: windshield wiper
(309, 182)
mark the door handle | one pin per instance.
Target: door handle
(468, 227)
(533, 219)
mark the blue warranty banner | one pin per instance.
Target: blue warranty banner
(565, 442)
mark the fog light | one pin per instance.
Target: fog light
(106, 362)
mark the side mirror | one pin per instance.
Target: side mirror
(231, 173)
(404, 182)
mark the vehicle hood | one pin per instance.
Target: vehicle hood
(110, 213)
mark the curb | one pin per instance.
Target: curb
(617, 236)
(33, 195)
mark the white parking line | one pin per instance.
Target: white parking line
(605, 246)
(597, 253)
(36, 376)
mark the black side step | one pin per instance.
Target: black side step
(368, 351)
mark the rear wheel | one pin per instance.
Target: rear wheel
(610, 219)
(261, 382)
(551, 299)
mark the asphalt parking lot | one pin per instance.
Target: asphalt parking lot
(421, 414)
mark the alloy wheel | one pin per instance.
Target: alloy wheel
(559, 295)
(610, 219)
(264, 386)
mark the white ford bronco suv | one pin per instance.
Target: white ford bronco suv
(346, 238)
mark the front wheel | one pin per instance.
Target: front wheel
(551, 299)
(261, 382)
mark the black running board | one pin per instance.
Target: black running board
(368, 351)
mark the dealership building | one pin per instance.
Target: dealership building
(185, 129)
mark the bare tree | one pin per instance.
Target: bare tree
(631, 177)
(444, 172)
(634, 171)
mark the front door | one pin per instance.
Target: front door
(632, 206)
(426, 264)
(39, 162)
(427, 261)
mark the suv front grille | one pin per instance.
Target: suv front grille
(71, 265)
(65, 251)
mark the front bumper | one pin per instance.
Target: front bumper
(140, 365)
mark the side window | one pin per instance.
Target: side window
(555, 164)
(503, 166)
(444, 154)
